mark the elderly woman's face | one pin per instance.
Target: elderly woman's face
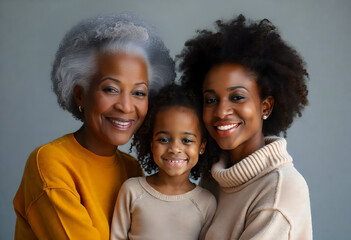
(116, 102)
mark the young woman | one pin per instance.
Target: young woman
(252, 85)
(167, 205)
(103, 71)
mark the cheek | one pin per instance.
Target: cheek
(194, 151)
(250, 112)
(157, 150)
(141, 108)
(96, 106)
(206, 115)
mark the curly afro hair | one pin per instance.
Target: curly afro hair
(169, 96)
(258, 47)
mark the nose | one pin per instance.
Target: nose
(125, 103)
(224, 109)
(175, 147)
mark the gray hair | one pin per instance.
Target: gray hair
(75, 60)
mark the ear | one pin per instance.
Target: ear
(203, 146)
(267, 107)
(78, 94)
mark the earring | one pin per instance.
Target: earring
(80, 108)
(264, 117)
(200, 152)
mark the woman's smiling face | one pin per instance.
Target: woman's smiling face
(232, 108)
(115, 104)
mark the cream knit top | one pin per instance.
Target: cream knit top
(262, 197)
(141, 212)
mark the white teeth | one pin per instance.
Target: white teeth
(175, 161)
(226, 127)
(120, 123)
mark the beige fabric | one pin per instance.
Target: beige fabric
(262, 197)
(141, 212)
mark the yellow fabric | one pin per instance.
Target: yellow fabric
(68, 192)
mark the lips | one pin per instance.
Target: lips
(175, 162)
(225, 129)
(122, 124)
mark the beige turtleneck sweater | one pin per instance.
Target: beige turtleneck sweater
(141, 212)
(262, 197)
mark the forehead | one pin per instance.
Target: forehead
(177, 118)
(119, 61)
(227, 75)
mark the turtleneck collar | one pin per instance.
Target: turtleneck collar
(272, 155)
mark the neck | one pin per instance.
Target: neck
(97, 146)
(246, 148)
(170, 185)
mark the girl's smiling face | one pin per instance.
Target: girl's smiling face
(177, 141)
(233, 110)
(115, 103)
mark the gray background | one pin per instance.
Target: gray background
(30, 31)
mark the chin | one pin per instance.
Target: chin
(226, 145)
(120, 140)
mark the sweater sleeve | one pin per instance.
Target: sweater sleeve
(209, 213)
(122, 213)
(47, 203)
(266, 225)
(55, 213)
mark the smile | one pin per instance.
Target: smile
(226, 130)
(121, 124)
(227, 127)
(175, 163)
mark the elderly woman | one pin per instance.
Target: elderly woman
(103, 72)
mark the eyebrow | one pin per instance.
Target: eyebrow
(110, 78)
(228, 89)
(165, 132)
(118, 81)
(236, 87)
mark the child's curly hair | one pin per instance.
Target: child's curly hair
(257, 46)
(169, 96)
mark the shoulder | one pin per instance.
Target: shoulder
(43, 167)
(48, 162)
(205, 202)
(131, 164)
(285, 176)
(281, 188)
(205, 199)
(125, 157)
(206, 195)
(132, 183)
(131, 189)
(292, 184)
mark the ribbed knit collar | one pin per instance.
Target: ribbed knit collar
(272, 155)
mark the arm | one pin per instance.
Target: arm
(265, 225)
(48, 205)
(58, 214)
(121, 220)
(209, 214)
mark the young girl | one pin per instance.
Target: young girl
(166, 205)
(252, 85)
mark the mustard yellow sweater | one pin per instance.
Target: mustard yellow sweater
(68, 192)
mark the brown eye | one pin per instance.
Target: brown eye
(210, 100)
(140, 93)
(110, 90)
(235, 98)
(186, 140)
